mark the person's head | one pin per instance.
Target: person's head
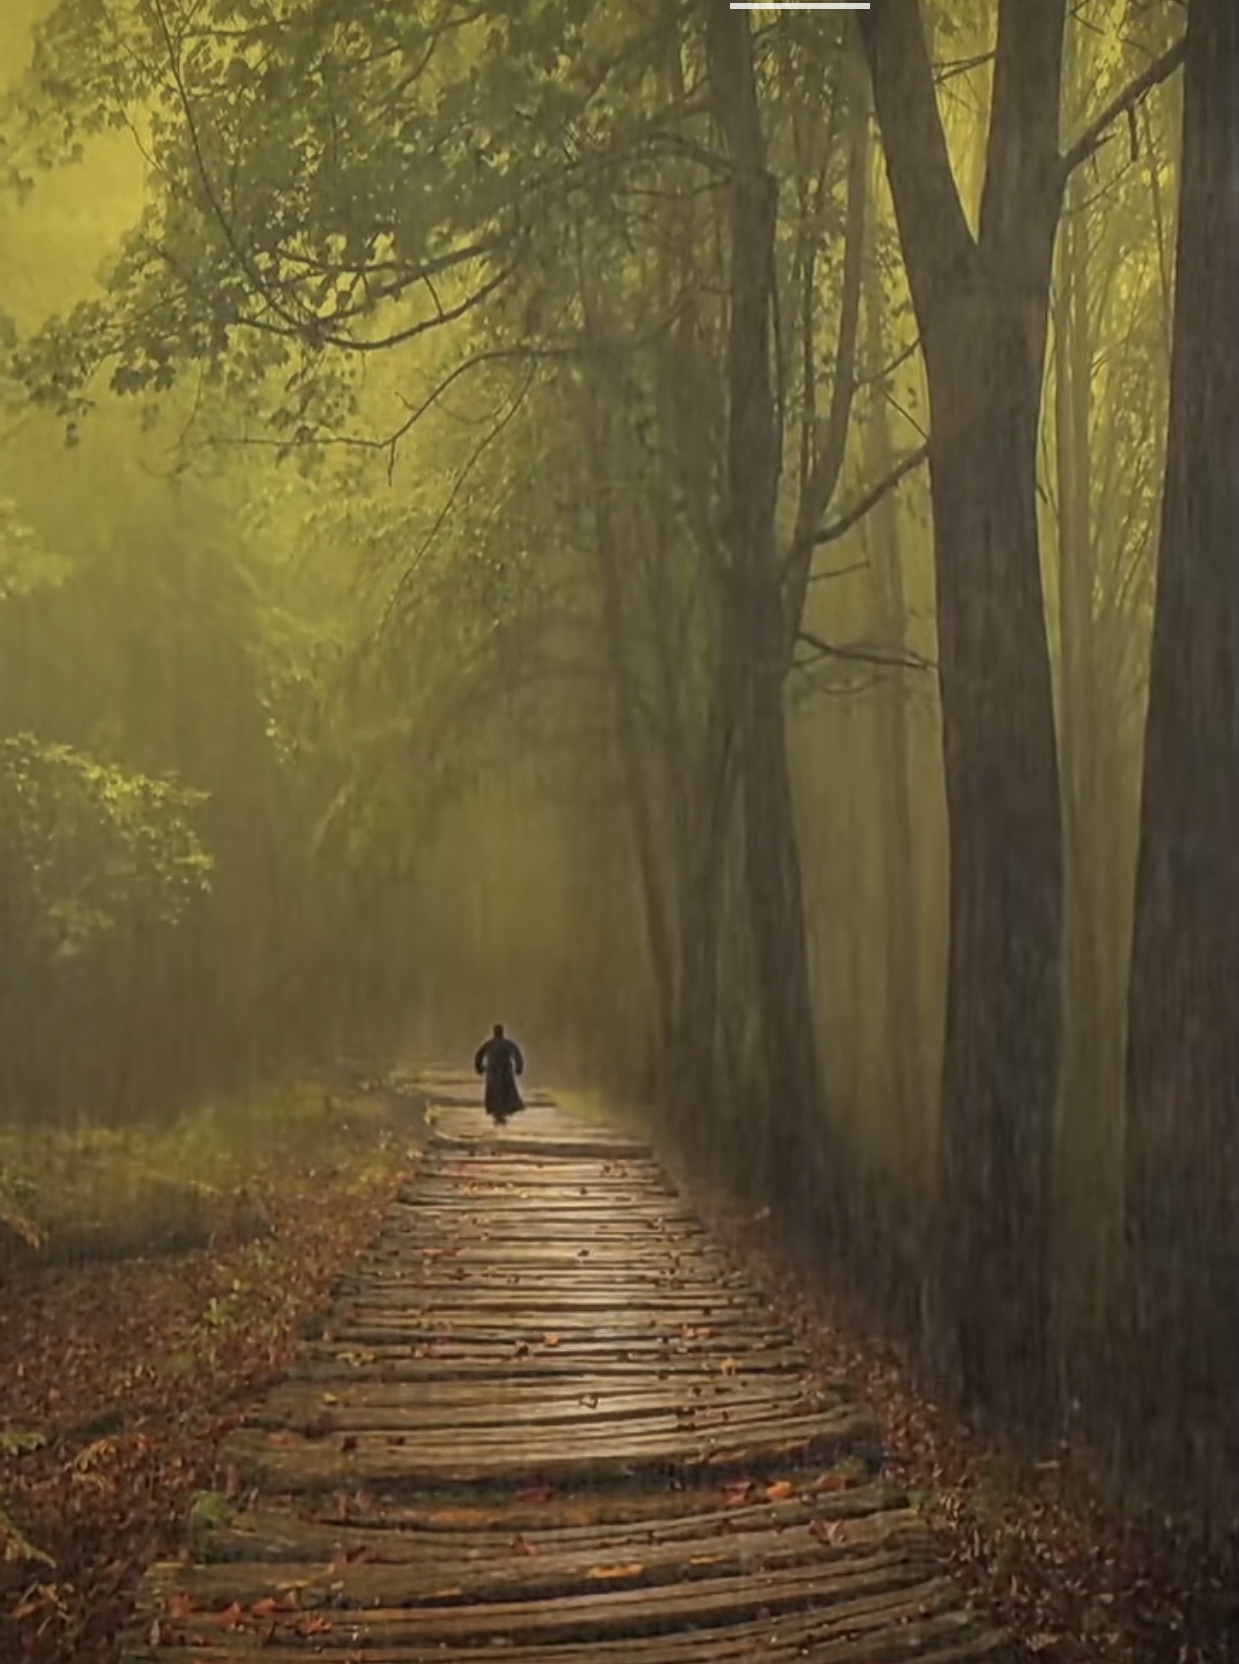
(498, 1031)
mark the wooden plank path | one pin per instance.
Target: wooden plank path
(547, 1416)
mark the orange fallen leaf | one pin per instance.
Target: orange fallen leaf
(832, 1480)
(779, 1491)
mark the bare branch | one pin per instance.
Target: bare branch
(405, 581)
(874, 376)
(890, 658)
(830, 442)
(840, 571)
(1097, 131)
(853, 516)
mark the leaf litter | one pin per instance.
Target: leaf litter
(119, 1381)
(1073, 1576)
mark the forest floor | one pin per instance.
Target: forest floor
(1076, 1578)
(119, 1382)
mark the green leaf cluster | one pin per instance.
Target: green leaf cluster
(85, 844)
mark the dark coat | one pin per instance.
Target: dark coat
(500, 1060)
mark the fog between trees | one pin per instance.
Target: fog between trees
(707, 537)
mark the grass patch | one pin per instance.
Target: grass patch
(74, 1195)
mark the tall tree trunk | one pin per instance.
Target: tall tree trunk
(695, 1059)
(902, 946)
(755, 627)
(622, 673)
(1182, 1167)
(1088, 1163)
(981, 305)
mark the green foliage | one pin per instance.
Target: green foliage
(209, 1512)
(25, 564)
(333, 177)
(85, 844)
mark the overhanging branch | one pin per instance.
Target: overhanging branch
(889, 658)
(853, 516)
(1094, 135)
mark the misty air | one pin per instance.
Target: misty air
(619, 831)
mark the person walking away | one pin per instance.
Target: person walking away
(501, 1061)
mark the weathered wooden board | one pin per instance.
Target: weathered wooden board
(478, 1532)
(546, 1414)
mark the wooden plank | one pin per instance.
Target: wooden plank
(433, 1459)
(712, 1353)
(601, 1395)
(881, 1591)
(780, 1562)
(945, 1637)
(399, 1572)
(509, 1416)
(478, 1532)
(696, 1255)
(585, 1281)
(510, 1293)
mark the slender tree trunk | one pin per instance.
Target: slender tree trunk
(624, 696)
(1078, 694)
(981, 304)
(901, 902)
(694, 1072)
(1182, 1166)
(756, 625)
(1088, 1165)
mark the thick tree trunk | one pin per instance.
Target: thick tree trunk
(1003, 998)
(756, 625)
(1182, 1167)
(1088, 1158)
(981, 305)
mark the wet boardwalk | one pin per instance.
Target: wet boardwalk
(547, 1420)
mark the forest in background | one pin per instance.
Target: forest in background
(711, 540)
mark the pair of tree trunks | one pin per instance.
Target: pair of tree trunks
(755, 634)
(981, 304)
